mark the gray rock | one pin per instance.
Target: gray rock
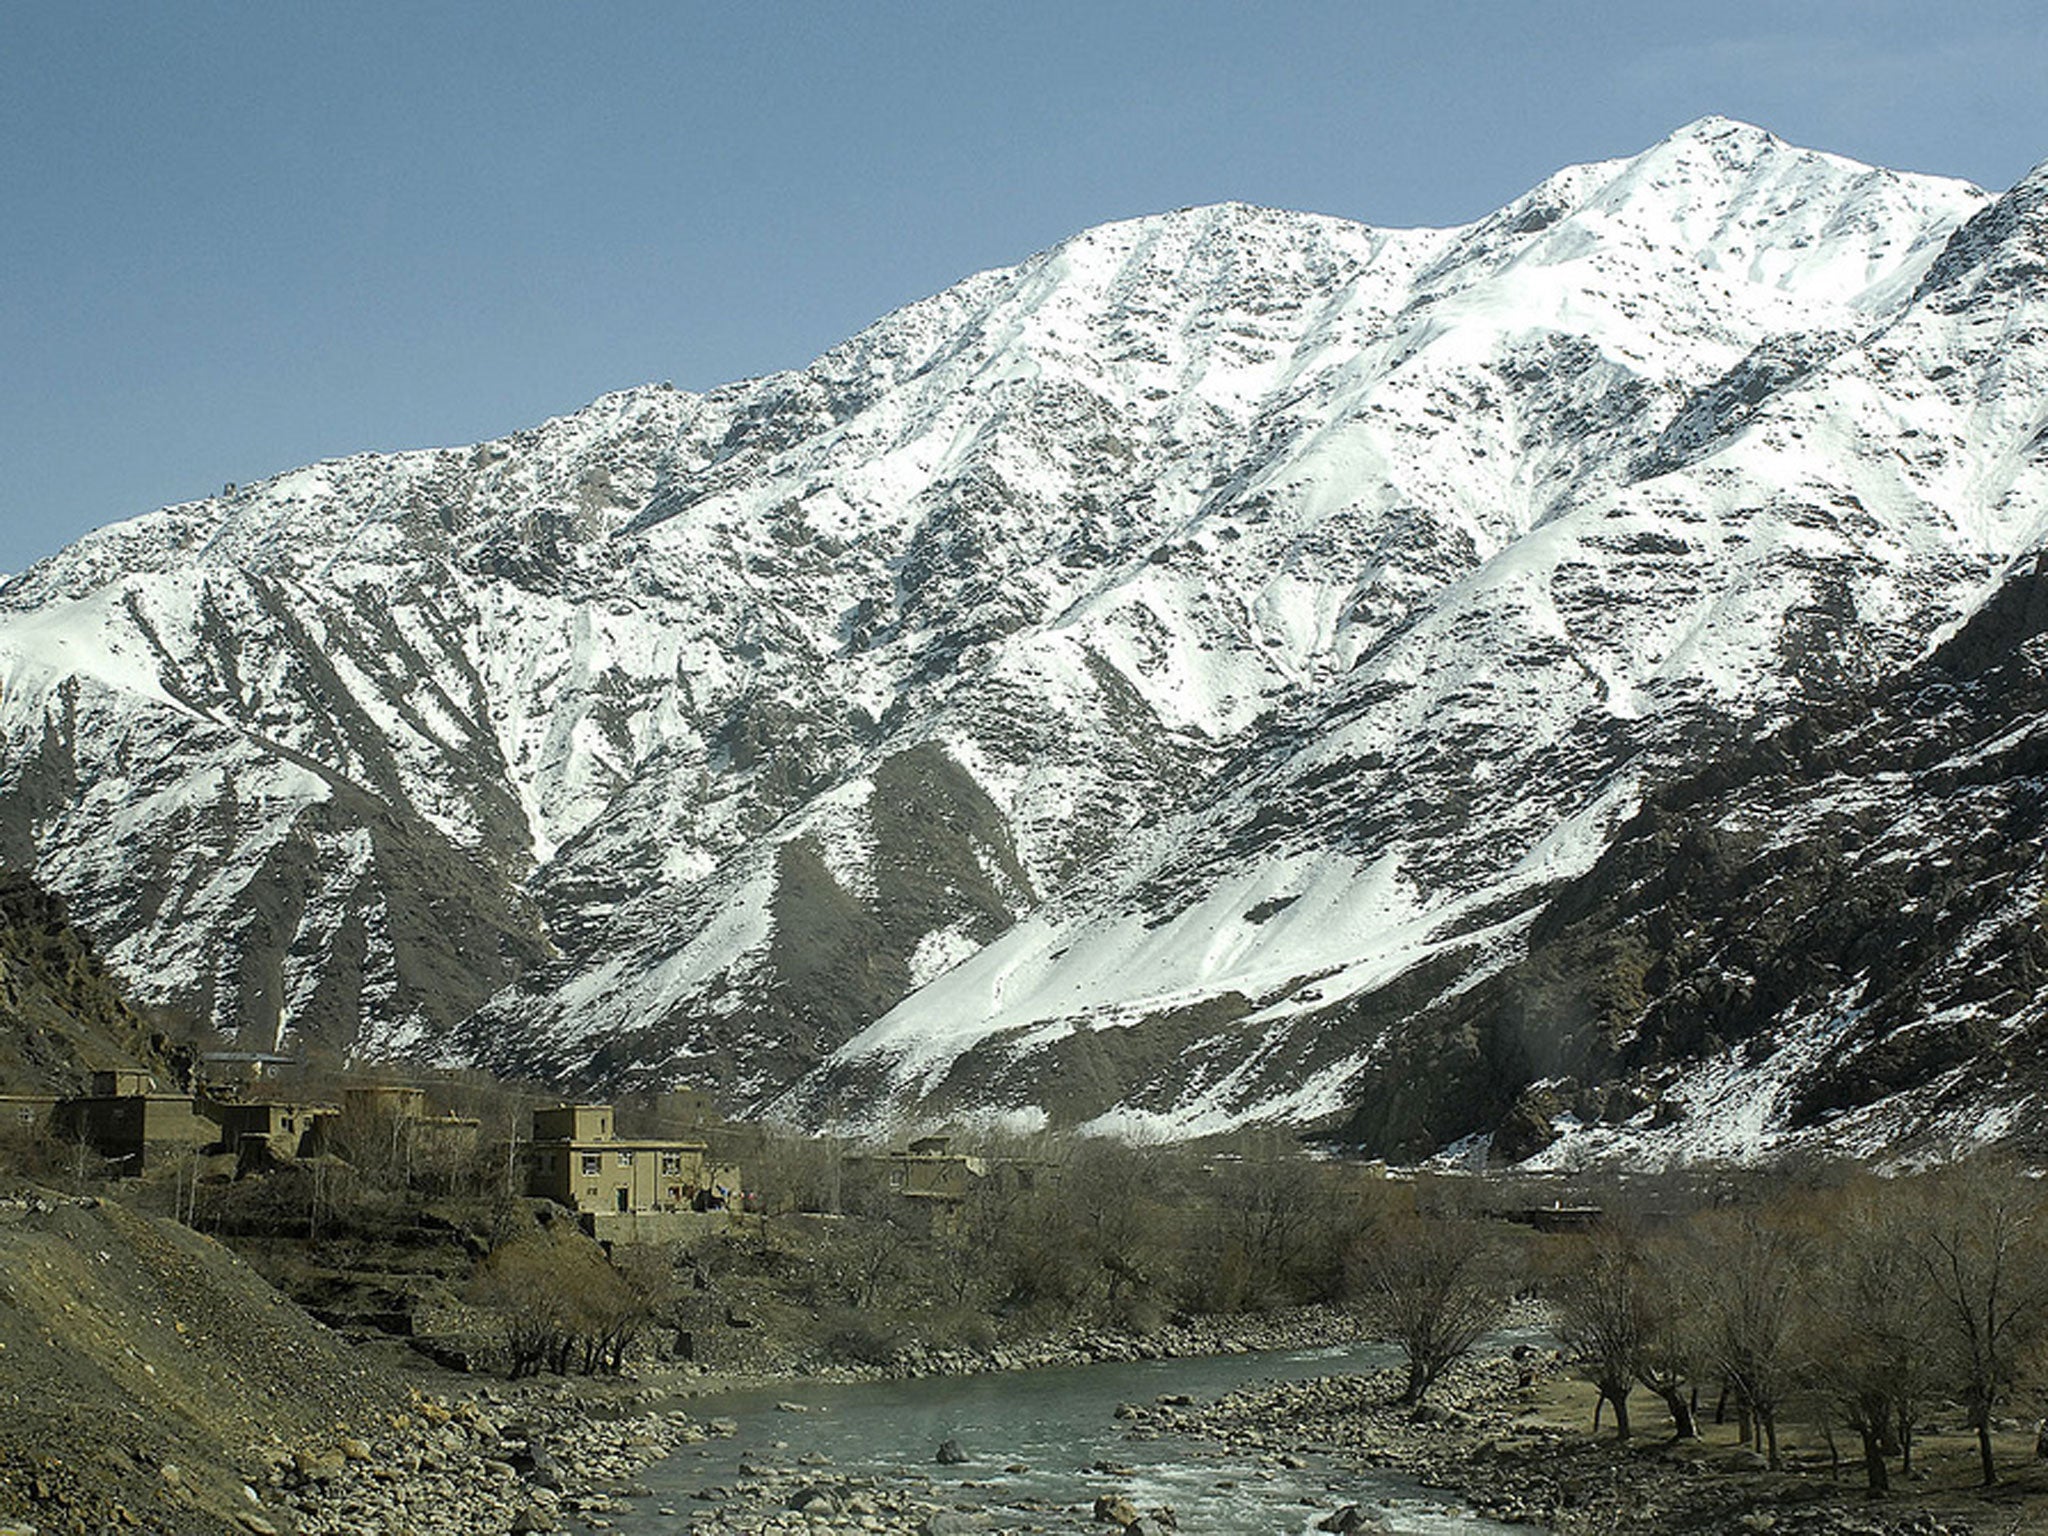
(813, 1501)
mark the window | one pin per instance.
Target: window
(625, 1159)
(671, 1162)
(593, 1163)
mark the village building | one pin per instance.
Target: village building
(937, 1180)
(230, 1071)
(134, 1128)
(579, 1161)
(287, 1130)
(121, 1082)
(402, 1108)
(931, 1170)
(401, 1101)
(26, 1114)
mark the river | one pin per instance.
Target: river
(1032, 1439)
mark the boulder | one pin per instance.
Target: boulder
(1114, 1509)
(318, 1466)
(949, 1453)
(1350, 1521)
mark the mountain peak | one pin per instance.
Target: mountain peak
(1125, 682)
(1714, 127)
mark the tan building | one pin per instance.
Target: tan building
(579, 1161)
(407, 1107)
(131, 1130)
(121, 1082)
(399, 1101)
(26, 1114)
(932, 1170)
(292, 1130)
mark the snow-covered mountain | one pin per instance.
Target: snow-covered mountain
(1124, 686)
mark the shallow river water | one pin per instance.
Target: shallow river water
(1057, 1422)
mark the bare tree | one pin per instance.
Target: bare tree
(1870, 1326)
(1982, 1247)
(558, 1302)
(1267, 1200)
(1432, 1285)
(1597, 1285)
(1668, 1353)
(1745, 1275)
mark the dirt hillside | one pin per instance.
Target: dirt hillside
(147, 1374)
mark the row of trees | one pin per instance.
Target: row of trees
(1860, 1302)
(1867, 1304)
(1060, 1229)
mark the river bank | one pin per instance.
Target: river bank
(1192, 1337)
(1504, 1436)
(553, 1454)
(1491, 1436)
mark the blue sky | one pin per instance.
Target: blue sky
(238, 237)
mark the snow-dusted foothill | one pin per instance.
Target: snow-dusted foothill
(1124, 686)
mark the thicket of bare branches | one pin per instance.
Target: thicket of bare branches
(1869, 1304)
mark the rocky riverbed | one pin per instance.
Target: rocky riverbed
(1310, 1327)
(548, 1457)
(1481, 1439)
(501, 1461)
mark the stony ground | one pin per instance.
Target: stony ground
(1509, 1437)
(145, 1373)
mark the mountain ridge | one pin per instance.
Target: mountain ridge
(1209, 564)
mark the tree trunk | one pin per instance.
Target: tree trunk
(1873, 1462)
(1620, 1400)
(1683, 1425)
(1905, 1442)
(1770, 1425)
(1418, 1383)
(1984, 1448)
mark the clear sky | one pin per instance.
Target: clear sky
(239, 237)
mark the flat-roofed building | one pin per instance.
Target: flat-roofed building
(26, 1114)
(577, 1160)
(291, 1130)
(132, 1130)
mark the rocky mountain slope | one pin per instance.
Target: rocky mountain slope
(63, 1015)
(1837, 938)
(1118, 688)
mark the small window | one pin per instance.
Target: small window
(593, 1163)
(625, 1159)
(671, 1162)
